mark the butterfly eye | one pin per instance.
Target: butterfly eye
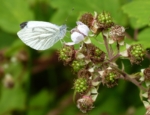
(22, 25)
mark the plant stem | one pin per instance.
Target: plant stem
(107, 46)
(135, 34)
(127, 77)
(115, 57)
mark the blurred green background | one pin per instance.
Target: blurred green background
(38, 83)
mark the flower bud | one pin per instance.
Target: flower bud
(85, 104)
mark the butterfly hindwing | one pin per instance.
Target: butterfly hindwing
(42, 35)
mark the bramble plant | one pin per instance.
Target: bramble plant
(94, 67)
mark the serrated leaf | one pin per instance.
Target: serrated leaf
(144, 38)
(14, 12)
(135, 24)
(88, 6)
(140, 10)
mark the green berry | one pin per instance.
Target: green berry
(80, 85)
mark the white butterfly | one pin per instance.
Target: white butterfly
(41, 35)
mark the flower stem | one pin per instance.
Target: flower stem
(127, 77)
(107, 46)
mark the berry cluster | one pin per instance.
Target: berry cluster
(92, 65)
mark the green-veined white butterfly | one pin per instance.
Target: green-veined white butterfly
(41, 35)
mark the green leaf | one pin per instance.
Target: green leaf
(144, 37)
(98, 42)
(12, 99)
(140, 111)
(40, 101)
(135, 24)
(6, 39)
(140, 10)
(88, 6)
(13, 13)
(15, 47)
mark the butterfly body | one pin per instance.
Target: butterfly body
(41, 35)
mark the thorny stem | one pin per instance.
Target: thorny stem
(128, 35)
(117, 55)
(118, 48)
(135, 34)
(106, 45)
(111, 50)
(127, 77)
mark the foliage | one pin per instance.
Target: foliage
(38, 83)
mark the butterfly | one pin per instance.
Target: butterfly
(41, 35)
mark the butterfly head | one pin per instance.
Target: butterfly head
(22, 25)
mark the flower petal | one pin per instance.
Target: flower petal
(111, 41)
(127, 46)
(83, 28)
(77, 37)
(94, 97)
(121, 43)
(70, 43)
(146, 104)
(124, 53)
(93, 90)
(79, 55)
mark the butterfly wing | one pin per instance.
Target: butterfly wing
(41, 35)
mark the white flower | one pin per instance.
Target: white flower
(79, 33)
(77, 37)
(83, 28)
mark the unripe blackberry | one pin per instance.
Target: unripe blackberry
(81, 85)
(136, 53)
(95, 54)
(77, 65)
(105, 20)
(110, 77)
(66, 54)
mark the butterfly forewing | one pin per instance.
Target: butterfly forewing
(41, 35)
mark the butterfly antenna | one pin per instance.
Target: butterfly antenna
(69, 15)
